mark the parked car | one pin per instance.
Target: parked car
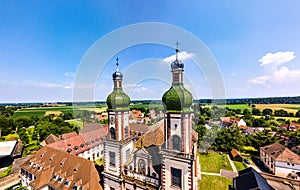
(246, 161)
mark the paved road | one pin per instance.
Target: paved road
(232, 164)
(209, 173)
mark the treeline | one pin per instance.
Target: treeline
(268, 100)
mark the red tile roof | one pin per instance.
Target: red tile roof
(93, 126)
(74, 145)
(136, 127)
(50, 139)
(76, 170)
(234, 153)
(294, 124)
(281, 153)
(68, 135)
(93, 138)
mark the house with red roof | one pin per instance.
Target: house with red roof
(87, 144)
(280, 160)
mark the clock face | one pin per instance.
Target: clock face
(112, 120)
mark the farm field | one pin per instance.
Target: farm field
(42, 111)
(292, 108)
(236, 106)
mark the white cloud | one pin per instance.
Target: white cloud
(181, 55)
(274, 73)
(69, 74)
(262, 80)
(277, 58)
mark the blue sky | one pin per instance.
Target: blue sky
(42, 43)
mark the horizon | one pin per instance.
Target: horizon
(138, 100)
(254, 45)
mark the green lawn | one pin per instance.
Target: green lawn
(239, 165)
(214, 182)
(214, 162)
(76, 123)
(6, 172)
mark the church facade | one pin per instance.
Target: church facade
(163, 158)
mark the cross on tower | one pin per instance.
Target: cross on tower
(117, 63)
(177, 50)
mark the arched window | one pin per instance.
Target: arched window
(112, 133)
(176, 143)
(126, 131)
(142, 166)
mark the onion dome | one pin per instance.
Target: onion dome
(177, 98)
(118, 100)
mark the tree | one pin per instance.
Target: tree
(22, 121)
(267, 111)
(246, 112)
(297, 113)
(6, 125)
(281, 113)
(256, 111)
(263, 138)
(229, 138)
(23, 135)
(201, 129)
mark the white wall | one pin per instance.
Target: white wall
(283, 169)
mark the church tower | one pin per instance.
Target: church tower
(179, 152)
(118, 144)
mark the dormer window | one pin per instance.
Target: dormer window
(39, 168)
(75, 148)
(54, 177)
(60, 179)
(82, 145)
(34, 165)
(69, 150)
(67, 183)
(75, 187)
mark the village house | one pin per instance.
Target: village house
(86, 144)
(54, 169)
(293, 126)
(235, 155)
(280, 160)
(228, 121)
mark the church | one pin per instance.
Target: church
(166, 156)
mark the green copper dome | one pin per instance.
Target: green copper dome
(118, 100)
(177, 98)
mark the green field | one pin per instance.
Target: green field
(239, 165)
(41, 111)
(214, 182)
(236, 106)
(214, 162)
